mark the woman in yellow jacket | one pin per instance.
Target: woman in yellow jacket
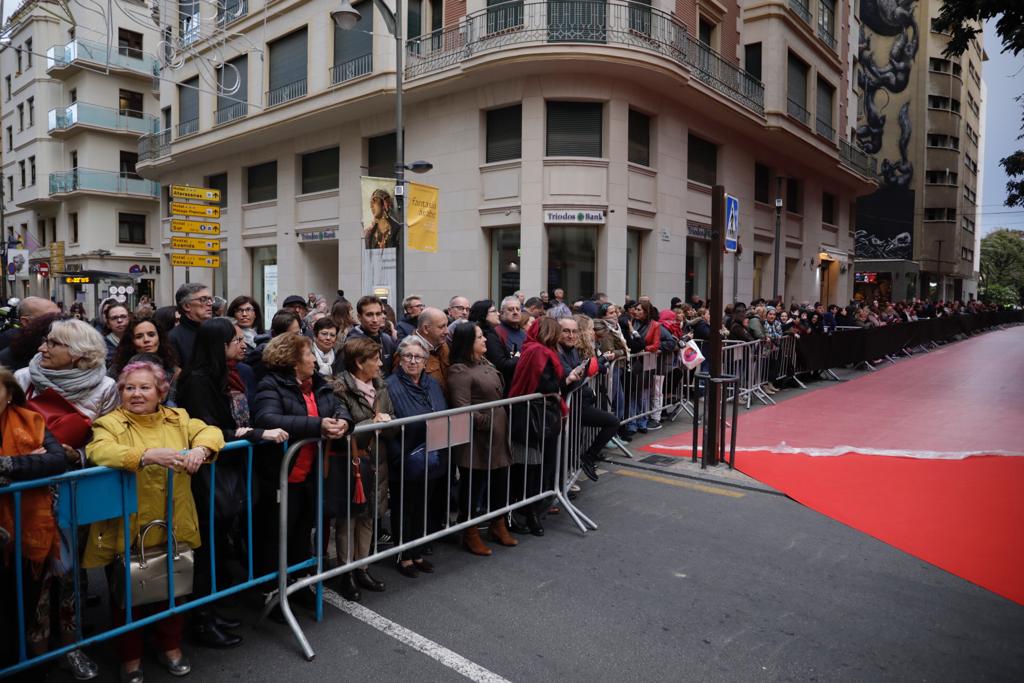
(148, 438)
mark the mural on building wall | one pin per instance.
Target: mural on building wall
(887, 23)
(885, 222)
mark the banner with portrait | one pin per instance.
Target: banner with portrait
(381, 231)
(17, 263)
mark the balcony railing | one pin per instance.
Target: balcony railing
(231, 10)
(802, 9)
(155, 145)
(231, 112)
(87, 114)
(798, 112)
(190, 127)
(853, 158)
(824, 128)
(89, 179)
(513, 24)
(79, 49)
(353, 68)
(827, 36)
(286, 92)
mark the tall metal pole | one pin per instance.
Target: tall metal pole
(778, 238)
(717, 303)
(399, 161)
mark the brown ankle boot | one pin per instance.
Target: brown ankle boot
(499, 532)
(472, 542)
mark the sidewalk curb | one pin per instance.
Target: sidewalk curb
(755, 486)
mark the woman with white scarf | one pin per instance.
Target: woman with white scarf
(328, 361)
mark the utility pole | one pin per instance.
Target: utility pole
(778, 238)
(713, 391)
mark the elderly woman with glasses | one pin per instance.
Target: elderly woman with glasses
(325, 334)
(414, 392)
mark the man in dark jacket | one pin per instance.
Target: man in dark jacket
(30, 308)
(370, 311)
(592, 306)
(195, 304)
(411, 308)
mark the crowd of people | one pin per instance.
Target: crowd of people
(162, 389)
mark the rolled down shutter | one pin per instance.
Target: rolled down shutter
(574, 129)
(227, 82)
(797, 86)
(288, 60)
(505, 133)
(188, 100)
(357, 42)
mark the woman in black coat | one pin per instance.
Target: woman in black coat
(295, 398)
(212, 390)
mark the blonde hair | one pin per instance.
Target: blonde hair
(86, 346)
(585, 339)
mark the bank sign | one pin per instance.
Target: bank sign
(575, 217)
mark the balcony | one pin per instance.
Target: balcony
(285, 93)
(353, 68)
(155, 145)
(798, 112)
(230, 113)
(854, 159)
(824, 129)
(827, 36)
(802, 9)
(231, 10)
(88, 180)
(60, 59)
(512, 25)
(186, 128)
(82, 115)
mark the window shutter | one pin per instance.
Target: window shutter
(505, 133)
(824, 102)
(288, 60)
(320, 170)
(381, 155)
(639, 138)
(797, 86)
(226, 80)
(188, 100)
(357, 42)
(574, 129)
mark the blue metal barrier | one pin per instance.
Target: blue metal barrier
(99, 493)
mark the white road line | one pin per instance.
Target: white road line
(439, 653)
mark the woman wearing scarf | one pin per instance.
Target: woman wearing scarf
(325, 334)
(539, 370)
(30, 451)
(211, 389)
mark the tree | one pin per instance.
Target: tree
(1002, 265)
(962, 19)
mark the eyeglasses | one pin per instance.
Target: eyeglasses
(415, 306)
(118, 318)
(245, 309)
(327, 334)
(459, 308)
(413, 358)
(238, 340)
(204, 300)
(52, 342)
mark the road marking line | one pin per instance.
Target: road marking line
(439, 653)
(704, 488)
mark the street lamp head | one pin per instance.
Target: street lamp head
(346, 17)
(419, 166)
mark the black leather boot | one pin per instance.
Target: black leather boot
(347, 587)
(206, 633)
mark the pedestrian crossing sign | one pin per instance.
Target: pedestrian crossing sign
(732, 222)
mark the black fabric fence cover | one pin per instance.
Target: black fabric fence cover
(846, 347)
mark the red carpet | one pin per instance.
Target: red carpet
(903, 455)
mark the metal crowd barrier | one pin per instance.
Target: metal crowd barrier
(444, 430)
(99, 493)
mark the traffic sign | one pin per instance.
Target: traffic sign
(180, 209)
(205, 194)
(195, 227)
(196, 243)
(732, 222)
(44, 269)
(195, 261)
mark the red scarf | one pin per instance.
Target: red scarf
(235, 382)
(304, 460)
(535, 356)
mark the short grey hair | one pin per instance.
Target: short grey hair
(412, 340)
(187, 291)
(407, 301)
(510, 300)
(84, 343)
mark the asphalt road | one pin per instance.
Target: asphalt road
(683, 581)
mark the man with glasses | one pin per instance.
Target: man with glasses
(458, 309)
(510, 332)
(370, 311)
(411, 307)
(195, 304)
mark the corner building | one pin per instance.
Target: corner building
(574, 143)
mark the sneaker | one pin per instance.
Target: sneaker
(652, 425)
(80, 666)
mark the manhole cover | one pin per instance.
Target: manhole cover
(658, 460)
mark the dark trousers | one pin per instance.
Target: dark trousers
(416, 510)
(537, 478)
(482, 490)
(607, 423)
(166, 633)
(301, 522)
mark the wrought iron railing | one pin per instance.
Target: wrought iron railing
(514, 24)
(231, 112)
(827, 36)
(824, 128)
(853, 158)
(798, 111)
(802, 8)
(230, 10)
(353, 68)
(287, 92)
(190, 127)
(155, 145)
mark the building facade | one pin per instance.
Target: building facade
(574, 143)
(76, 97)
(922, 118)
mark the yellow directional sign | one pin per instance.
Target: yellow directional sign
(195, 261)
(180, 209)
(195, 227)
(196, 243)
(205, 194)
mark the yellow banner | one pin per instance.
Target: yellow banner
(180, 209)
(195, 261)
(56, 257)
(195, 227)
(196, 243)
(421, 217)
(206, 194)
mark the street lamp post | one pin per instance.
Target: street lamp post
(345, 18)
(778, 237)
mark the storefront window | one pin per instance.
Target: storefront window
(572, 260)
(696, 268)
(505, 262)
(264, 280)
(633, 240)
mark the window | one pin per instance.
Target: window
(505, 262)
(229, 10)
(701, 160)
(752, 59)
(353, 48)
(796, 89)
(794, 196)
(10, 186)
(188, 106)
(128, 162)
(233, 78)
(129, 103)
(129, 43)
(634, 240)
(21, 117)
(706, 32)
(828, 208)
(73, 95)
(827, 20)
(762, 184)
(320, 170)
(21, 170)
(218, 182)
(940, 65)
(381, 153)
(73, 221)
(10, 138)
(940, 213)
(639, 16)
(131, 228)
(31, 170)
(287, 68)
(7, 87)
(31, 102)
(18, 51)
(639, 138)
(967, 224)
(572, 260)
(188, 20)
(574, 129)
(823, 115)
(504, 133)
(966, 254)
(414, 19)
(261, 182)
(943, 177)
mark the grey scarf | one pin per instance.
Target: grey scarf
(74, 384)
